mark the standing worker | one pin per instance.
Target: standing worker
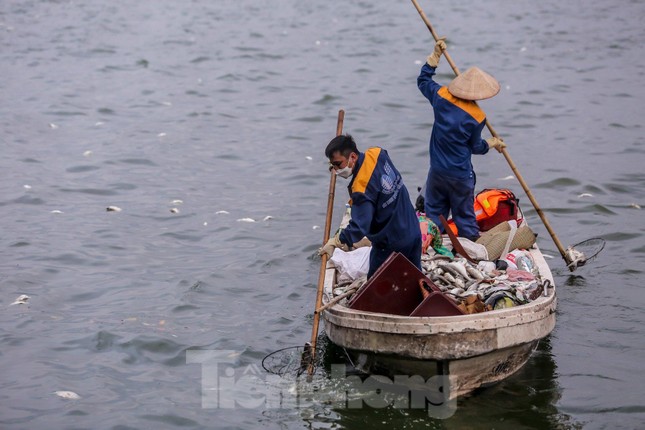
(380, 205)
(456, 135)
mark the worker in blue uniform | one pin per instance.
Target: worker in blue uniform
(381, 209)
(456, 135)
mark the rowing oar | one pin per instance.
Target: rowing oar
(309, 354)
(572, 259)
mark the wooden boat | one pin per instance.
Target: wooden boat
(472, 350)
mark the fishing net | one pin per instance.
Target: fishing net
(292, 360)
(579, 254)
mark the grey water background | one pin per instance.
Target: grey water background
(227, 106)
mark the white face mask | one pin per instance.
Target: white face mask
(345, 172)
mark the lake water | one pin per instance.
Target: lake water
(192, 116)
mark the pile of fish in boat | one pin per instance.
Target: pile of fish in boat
(487, 285)
(498, 284)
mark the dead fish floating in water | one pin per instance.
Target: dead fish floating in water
(67, 395)
(113, 209)
(21, 300)
(222, 213)
(174, 210)
(245, 220)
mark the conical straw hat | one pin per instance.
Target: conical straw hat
(474, 84)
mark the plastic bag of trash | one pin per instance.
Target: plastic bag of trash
(353, 264)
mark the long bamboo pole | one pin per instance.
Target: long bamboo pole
(323, 263)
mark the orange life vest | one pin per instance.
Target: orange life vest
(493, 206)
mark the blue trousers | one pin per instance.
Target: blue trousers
(411, 251)
(444, 195)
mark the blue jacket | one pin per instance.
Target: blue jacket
(381, 206)
(456, 133)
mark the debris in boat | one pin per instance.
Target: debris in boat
(221, 213)
(56, 211)
(245, 220)
(635, 206)
(474, 250)
(520, 259)
(353, 264)
(457, 291)
(21, 300)
(113, 209)
(67, 395)
(346, 286)
(519, 275)
(508, 280)
(500, 300)
(496, 239)
(585, 195)
(475, 273)
(174, 210)
(498, 284)
(431, 236)
(456, 269)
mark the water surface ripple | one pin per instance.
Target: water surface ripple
(205, 123)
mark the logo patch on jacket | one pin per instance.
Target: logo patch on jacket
(388, 180)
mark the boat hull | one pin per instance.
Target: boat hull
(473, 350)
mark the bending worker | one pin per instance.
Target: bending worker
(381, 206)
(456, 135)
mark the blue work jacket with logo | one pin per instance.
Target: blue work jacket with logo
(381, 206)
(456, 133)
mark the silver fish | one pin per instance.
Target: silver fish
(459, 269)
(474, 286)
(457, 291)
(449, 277)
(474, 273)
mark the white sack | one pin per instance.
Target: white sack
(352, 264)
